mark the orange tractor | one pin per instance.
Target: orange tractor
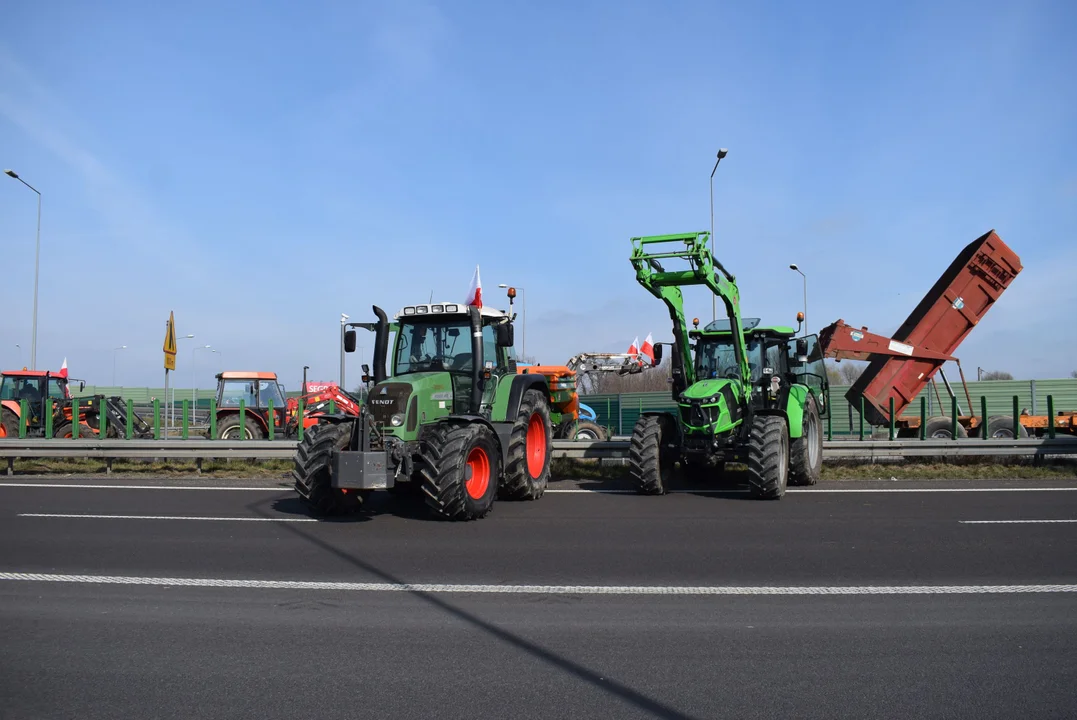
(42, 400)
(256, 392)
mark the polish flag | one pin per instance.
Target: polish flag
(474, 293)
(648, 348)
(633, 349)
(63, 370)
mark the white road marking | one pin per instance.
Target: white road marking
(1012, 522)
(163, 517)
(143, 487)
(544, 589)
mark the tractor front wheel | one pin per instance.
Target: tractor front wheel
(588, 431)
(807, 450)
(768, 457)
(64, 430)
(527, 471)
(460, 466)
(650, 462)
(9, 424)
(229, 428)
(312, 471)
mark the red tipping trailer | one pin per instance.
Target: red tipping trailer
(900, 367)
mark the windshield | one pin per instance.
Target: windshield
(270, 390)
(232, 391)
(716, 358)
(433, 346)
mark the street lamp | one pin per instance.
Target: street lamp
(194, 379)
(523, 302)
(20, 352)
(794, 267)
(722, 152)
(114, 351)
(37, 260)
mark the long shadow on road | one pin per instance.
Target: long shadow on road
(600, 681)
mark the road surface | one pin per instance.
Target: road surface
(856, 600)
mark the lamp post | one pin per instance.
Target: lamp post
(194, 378)
(805, 277)
(20, 352)
(37, 261)
(114, 351)
(523, 303)
(722, 152)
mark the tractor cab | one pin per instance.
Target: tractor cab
(255, 393)
(446, 360)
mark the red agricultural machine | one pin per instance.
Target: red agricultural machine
(901, 367)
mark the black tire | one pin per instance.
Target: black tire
(63, 431)
(806, 452)
(312, 472)
(229, 428)
(650, 460)
(941, 428)
(1001, 427)
(9, 423)
(527, 466)
(449, 461)
(768, 457)
(590, 431)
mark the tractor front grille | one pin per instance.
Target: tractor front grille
(388, 400)
(698, 415)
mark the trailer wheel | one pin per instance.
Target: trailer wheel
(312, 471)
(1001, 427)
(527, 469)
(768, 457)
(650, 460)
(807, 450)
(460, 465)
(941, 428)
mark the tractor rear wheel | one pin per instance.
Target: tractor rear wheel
(650, 462)
(589, 431)
(807, 450)
(64, 430)
(312, 471)
(229, 428)
(527, 470)
(459, 466)
(768, 457)
(9, 424)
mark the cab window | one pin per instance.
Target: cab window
(56, 390)
(233, 391)
(269, 390)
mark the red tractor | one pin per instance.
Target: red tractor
(256, 390)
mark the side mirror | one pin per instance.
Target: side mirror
(349, 341)
(505, 336)
(366, 369)
(82, 385)
(657, 354)
(802, 350)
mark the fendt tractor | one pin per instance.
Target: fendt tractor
(749, 394)
(455, 421)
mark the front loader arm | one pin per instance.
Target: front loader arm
(666, 286)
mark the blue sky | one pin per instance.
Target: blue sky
(260, 168)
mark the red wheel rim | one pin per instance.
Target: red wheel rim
(3, 431)
(478, 462)
(536, 445)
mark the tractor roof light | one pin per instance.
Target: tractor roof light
(409, 311)
(437, 308)
(452, 308)
(422, 309)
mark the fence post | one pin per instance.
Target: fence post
(76, 421)
(130, 420)
(861, 417)
(48, 419)
(299, 419)
(242, 419)
(213, 419)
(332, 407)
(186, 425)
(24, 418)
(893, 434)
(983, 417)
(953, 416)
(272, 419)
(923, 418)
(102, 422)
(1016, 418)
(1051, 416)
(829, 422)
(1032, 389)
(620, 415)
(156, 419)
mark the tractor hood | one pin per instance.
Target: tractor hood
(399, 404)
(711, 406)
(706, 392)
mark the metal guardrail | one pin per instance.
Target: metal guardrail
(200, 449)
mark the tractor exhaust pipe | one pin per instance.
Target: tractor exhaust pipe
(381, 345)
(477, 360)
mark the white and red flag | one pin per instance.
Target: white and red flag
(648, 349)
(63, 370)
(633, 349)
(474, 293)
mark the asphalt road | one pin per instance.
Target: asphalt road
(579, 605)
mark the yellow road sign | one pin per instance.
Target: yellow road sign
(170, 343)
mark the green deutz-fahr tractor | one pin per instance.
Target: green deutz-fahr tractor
(749, 394)
(455, 422)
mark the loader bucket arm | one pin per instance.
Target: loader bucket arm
(647, 254)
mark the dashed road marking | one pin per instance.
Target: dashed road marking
(162, 517)
(440, 588)
(1013, 522)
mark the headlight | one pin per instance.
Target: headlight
(396, 420)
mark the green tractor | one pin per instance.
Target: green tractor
(455, 422)
(748, 394)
